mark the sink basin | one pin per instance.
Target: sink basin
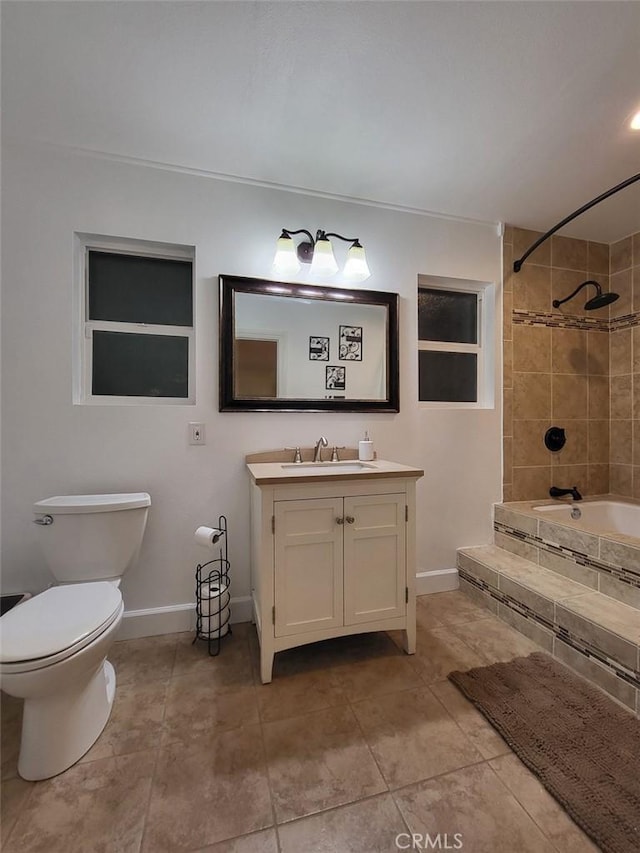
(347, 467)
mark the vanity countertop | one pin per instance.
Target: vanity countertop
(264, 473)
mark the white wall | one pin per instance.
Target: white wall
(51, 446)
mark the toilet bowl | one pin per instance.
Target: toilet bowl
(53, 656)
(53, 647)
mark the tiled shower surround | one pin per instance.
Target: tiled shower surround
(571, 368)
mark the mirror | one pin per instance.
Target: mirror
(301, 347)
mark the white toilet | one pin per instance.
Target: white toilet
(53, 647)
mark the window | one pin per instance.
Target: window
(455, 318)
(135, 302)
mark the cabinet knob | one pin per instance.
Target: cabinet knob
(339, 520)
(349, 519)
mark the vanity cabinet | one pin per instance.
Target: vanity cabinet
(331, 557)
(338, 561)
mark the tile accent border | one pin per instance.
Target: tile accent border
(573, 321)
(619, 573)
(554, 632)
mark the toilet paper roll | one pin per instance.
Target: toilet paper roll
(213, 598)
(213, 589)
(207, 536)
(211, 626)
(214, 609)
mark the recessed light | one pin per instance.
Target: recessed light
(635, 122)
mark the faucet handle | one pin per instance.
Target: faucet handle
(297, 456)
(334, 453)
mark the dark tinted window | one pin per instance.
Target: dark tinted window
(446, 315)
(450, 377)
(134, 289)
(130, 365)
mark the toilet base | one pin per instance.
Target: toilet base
(58, 730)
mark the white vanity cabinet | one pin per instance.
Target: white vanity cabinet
(331, 557)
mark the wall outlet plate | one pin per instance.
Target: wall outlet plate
(197, 434)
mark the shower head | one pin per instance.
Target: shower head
(598, 301)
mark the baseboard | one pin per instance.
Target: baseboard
(182, 617)
(441, 580)
(173, 619)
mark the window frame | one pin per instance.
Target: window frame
(84, 327)
(485, 382)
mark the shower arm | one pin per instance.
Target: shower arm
(558, 302)
(517, 265)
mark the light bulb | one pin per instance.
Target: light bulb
(286, 261)
(323, 262)
(634, 124)
(356, 267)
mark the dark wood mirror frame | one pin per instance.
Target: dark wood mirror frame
(228, 402)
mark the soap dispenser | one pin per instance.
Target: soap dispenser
(365, 449)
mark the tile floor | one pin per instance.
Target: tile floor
(353, 745)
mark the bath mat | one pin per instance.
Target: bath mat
(583, 747)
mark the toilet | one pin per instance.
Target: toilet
(53, 647)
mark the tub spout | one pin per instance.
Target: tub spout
(555, 492)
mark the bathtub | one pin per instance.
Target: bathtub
(609, 516)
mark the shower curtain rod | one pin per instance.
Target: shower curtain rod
(517, 265)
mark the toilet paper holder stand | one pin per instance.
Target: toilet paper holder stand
(213, 612)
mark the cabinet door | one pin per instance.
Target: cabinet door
(308, 565)
(374, 558)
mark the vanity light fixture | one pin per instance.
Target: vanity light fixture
(319, 253)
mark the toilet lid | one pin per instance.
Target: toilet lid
(56, 619)
(71, 504)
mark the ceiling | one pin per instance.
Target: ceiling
(505, 111)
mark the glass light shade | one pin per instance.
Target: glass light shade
(286, 261)
(323, 262)
(356, 267)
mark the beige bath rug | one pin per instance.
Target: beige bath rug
(584, 748)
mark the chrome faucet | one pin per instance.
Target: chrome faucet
(320, 443)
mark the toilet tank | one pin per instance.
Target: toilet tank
(91, 537)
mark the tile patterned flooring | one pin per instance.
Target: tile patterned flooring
(352, 745)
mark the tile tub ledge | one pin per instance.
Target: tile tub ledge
(526, 508)
(574, 591)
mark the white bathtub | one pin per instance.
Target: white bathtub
(597, 516)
